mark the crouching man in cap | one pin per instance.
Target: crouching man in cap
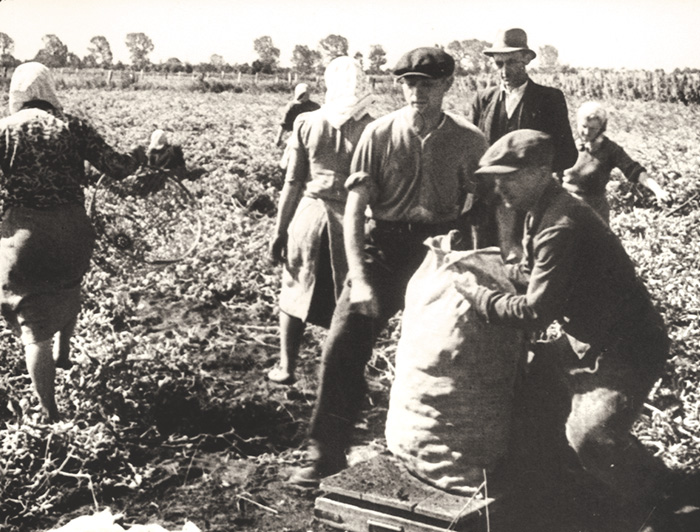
(414, 170)
(576, 271)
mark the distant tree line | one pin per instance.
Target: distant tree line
(55, 54)
(307, 61)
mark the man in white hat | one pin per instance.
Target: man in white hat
(515, 103)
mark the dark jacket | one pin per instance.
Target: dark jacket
(542, 108)
(577, 272)
(170, 158)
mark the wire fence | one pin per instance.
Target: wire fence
(681, 87)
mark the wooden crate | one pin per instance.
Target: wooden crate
(381, 496)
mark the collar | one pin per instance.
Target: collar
(590, 147)
(408, 120)
(517, 91)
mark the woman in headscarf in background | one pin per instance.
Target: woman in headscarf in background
(46, 237)
(302, 103)
(308, 234)
(598, 155)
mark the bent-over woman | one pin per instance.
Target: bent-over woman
(308, 235)
(47, 238)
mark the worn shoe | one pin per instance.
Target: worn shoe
(310, 477)
(323, 464)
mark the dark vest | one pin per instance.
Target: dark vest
(503, 124)
(510, 222)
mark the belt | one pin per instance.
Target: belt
(438, 228)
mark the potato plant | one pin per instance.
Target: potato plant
(170, 361)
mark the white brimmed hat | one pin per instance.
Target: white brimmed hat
(510, 40)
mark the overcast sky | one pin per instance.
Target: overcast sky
(609, 34)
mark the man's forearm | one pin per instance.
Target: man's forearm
(354, 230)
(289, 200)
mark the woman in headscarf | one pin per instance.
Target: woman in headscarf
(302, 103)
(308, 235)
(598, 155)
(46, 237)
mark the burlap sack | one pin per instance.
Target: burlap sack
(451, 402)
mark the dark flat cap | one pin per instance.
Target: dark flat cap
(427, 62)
(523, 148)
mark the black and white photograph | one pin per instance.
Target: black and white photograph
(351, 266)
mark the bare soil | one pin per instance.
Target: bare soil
(205, 472)
(223, 479)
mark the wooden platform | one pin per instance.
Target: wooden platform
(379, 495)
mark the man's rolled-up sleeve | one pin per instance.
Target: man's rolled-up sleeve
(364, 167)
(298, 163)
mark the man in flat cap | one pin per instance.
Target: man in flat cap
(614, 343)
(515, 103)
(412, 171)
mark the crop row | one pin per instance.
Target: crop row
(174, 357)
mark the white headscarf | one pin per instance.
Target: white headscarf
(591, 109)
(300, 91)
(159, 140)
(347, 91)
(32, 81)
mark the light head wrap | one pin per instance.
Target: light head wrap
(301, 90)
(347, 91)
(592, 110)
(158, 140)
(32, 81)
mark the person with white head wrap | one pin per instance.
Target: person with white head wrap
(32, 82)
(162, 154)
(301, 92)
(347, 91)
(308, 234)
(47, 237)
(598, 156)
(302, 103)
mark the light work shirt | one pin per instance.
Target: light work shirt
(513, 97)
(414, 179)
